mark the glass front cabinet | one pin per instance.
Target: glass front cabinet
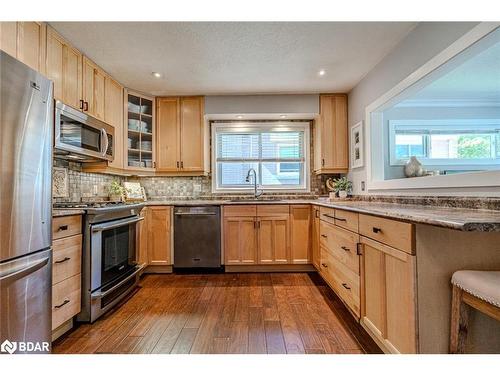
(139, 132)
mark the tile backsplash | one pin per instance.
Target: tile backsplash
(94, 186)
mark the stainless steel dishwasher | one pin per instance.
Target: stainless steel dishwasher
(197, 237)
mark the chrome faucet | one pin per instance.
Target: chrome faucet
(256, 193)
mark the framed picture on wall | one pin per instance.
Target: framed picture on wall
(356, 145)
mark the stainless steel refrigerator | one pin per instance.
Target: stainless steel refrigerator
(26, 126)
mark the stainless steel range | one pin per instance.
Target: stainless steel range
(110, 269)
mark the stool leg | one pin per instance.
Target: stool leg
(459, 322)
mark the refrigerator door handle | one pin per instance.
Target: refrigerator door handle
(19, 273)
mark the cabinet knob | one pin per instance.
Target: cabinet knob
(324, 236)
(345, 248)
(324, 265)
(62, 227)
(376, 230)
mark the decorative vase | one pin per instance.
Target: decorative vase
(342, 194)
(413, 168)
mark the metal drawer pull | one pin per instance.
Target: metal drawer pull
(62, 227)
(346, 286)
(324, 235)
(62, 304)
(376, 230)
(330, 216)
(62, 260)
(340, 219)
(324, 265)
(345, 248)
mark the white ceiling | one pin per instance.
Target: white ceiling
(235, 57)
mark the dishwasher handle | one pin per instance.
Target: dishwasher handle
(195, 214)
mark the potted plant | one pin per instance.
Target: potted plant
(116, 191)
(342, 186)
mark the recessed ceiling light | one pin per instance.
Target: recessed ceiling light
(156, 74)
(283, 116)
(239, 117)
(322, 72)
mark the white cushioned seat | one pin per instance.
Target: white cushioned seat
(484, 285)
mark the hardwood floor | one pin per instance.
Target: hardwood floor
(273, 313)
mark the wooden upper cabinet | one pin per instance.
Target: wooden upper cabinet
(93, 89)
(113, 115)
(168, 135)
(64, 67)
(330, 135)
(180, 135)
(25, 41)
(159, 235)
(192, 141)
(300, 234)
(8, 38)
(388, 305)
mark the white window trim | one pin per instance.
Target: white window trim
(442, 125)
(485, 179)
(258, 126)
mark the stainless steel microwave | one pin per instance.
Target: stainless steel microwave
(80, 137)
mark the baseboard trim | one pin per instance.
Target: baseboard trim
(62, 329)
(271, 268)
(158, 269)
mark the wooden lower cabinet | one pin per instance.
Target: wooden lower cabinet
(315, 250)
(240, 240)
(300, 234)
(273, 234)
(159, 235)
(142, 245)
(389, 296)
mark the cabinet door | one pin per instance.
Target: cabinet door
(388, 296)
(316, 257)
(168, 135)
(330, 132)
(93, 89)
(8, 38)
(31, 44)
(300, 234)
(159, 236)
(192, 134)
(113, 115)
(64, 68)
(240, 240)
(273, 233)
(72, 77)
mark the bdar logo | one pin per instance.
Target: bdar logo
(8, 347)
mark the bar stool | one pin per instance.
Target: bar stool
(477, 289)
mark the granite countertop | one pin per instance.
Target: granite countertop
(464, 219)
(58, 212)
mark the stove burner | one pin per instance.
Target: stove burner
(88, 205)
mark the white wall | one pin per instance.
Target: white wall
(423, 43)
(262, 104)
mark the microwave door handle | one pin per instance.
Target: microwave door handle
(104, 135)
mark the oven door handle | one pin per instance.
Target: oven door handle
(97, 295)
(115, 224)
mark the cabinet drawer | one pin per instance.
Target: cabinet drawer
(272, 209)
(65, 300)
(327, 214)
(347, 220)
(67, 258)
(66, 226)
(390, 232)
(342, 280)
(240, 210)
(343, 245)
